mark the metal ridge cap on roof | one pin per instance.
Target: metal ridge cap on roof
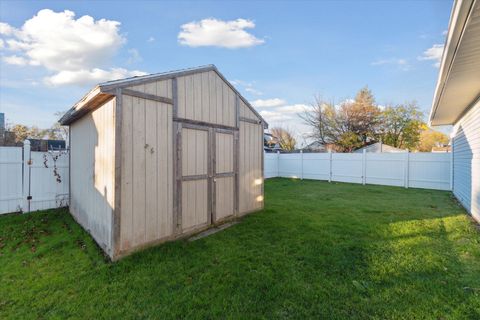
(171, 73)
(107, 88)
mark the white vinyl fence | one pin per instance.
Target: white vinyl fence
(416, 170)
(31, 180)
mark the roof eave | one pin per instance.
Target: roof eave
(458, 19)
(93, 99)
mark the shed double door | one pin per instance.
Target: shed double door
(207, 176)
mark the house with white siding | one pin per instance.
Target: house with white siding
(457, 101)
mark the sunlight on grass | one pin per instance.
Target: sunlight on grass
(317, 250)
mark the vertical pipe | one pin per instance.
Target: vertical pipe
(301, 164)
(330, 165)
(364, 166)
(407, 168)
(451, 164)
(278, 163)
(27, 161)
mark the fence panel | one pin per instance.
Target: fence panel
(347, 167)
(290, 165)
(316, 166)
(271, 165)
(416, 170)
(429, 170)
(11, 196)
(31, 181)
(385, 169)
(47, 189)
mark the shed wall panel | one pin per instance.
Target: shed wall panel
(194, 192)
(194, 204)
(224, 152)
(250, 167)
(466, 161)
(245, 112)
(224, 202)
(147, 169)
(92, 173)
(162, 88)
(206, 97)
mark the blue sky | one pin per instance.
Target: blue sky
(278, 54)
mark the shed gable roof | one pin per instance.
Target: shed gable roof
(106, 90)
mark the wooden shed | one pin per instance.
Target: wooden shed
(162, 156)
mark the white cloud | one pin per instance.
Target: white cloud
(218, 33)
(444, 32)
(400, 63)
(6, 29)
(74, 50)
(247, 86)
(85, 76)
(151, 39)
(253, 91)
(434, 53)
(134, 56)
(2, 44)
(274, 116)
(264, 103)
(15, 60)
(295, 108)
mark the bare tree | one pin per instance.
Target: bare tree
(285, 138)
(58, 131)
(348, 125)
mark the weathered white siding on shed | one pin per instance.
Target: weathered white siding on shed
(246, 112)
(466, 161)
(194, 192)
(188, 155)
(146, 167)
(250, 170)
(206, 97)
(92, 172)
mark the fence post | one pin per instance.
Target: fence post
(364, 166)
(301, 164)
(278, 163)
(330, 165)
(407, 168)
(27, 160)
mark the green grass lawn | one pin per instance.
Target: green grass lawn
(318, 250)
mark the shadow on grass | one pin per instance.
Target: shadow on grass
(318, 250)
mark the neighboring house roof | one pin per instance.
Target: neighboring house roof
(458, 85)
(106, 90)
(316, 145)
(442, 149)
(379, 147)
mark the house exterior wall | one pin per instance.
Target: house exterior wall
(466, 161)
(92, 188)
(146, 213)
